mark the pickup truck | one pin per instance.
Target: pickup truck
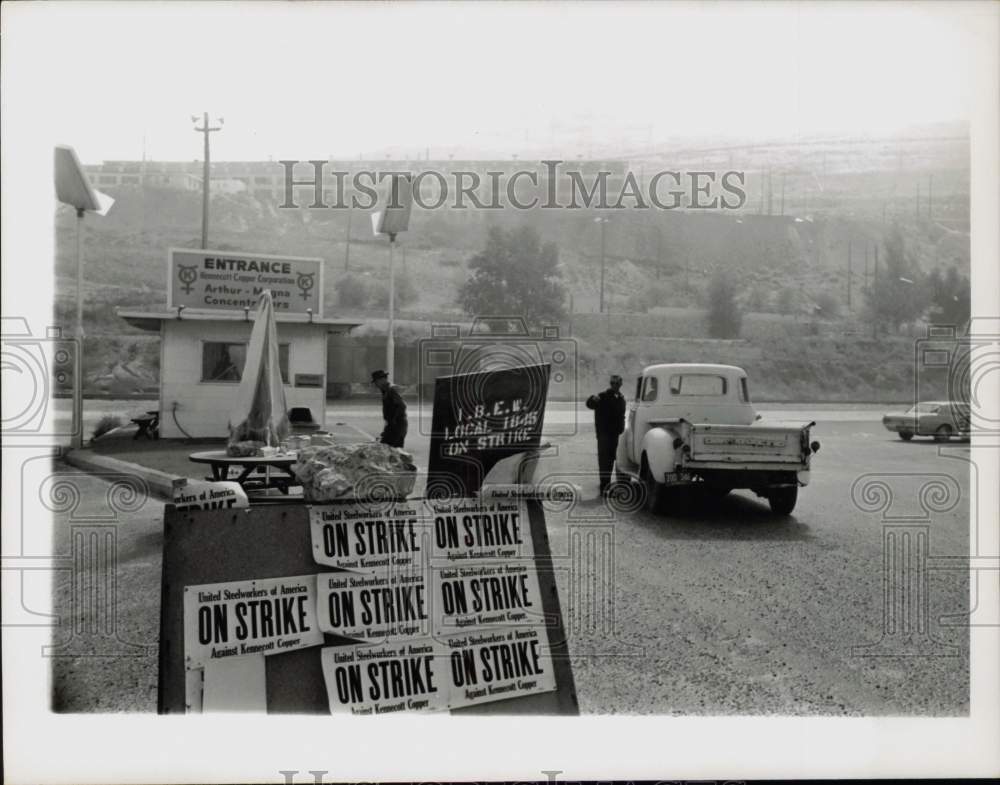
(693, 426)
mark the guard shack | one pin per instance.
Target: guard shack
(205, 329)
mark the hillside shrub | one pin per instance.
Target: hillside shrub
(352, 291)
(725, 320)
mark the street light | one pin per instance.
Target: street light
(73, 188)
(206, 130)
(393, 219)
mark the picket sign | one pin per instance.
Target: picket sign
(196, 495)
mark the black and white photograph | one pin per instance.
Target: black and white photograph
(602, 390)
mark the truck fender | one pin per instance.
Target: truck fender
(658, 447)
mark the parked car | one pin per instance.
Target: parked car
(939, 419)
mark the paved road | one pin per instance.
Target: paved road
(558, 415)
(724, 609)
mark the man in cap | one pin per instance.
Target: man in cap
(393, 411)
(609, 422)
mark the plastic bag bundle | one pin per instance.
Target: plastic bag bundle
(244, 449)
(355, 471)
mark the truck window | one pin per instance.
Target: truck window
(638, 387)
(744, 392)
(697, 384)
(649, 389)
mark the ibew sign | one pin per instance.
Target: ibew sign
(232, 281)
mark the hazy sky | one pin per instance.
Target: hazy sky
(305, 80)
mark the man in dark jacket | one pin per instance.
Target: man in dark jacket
(393, 411)
(609, 422)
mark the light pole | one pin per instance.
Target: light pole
(395, 218)
(206, 130)
(390, 344)
(73, 188)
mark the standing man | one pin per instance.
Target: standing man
(609, 422)
(393, 411)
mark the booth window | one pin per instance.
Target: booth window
(223, 362)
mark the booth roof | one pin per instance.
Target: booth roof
(150, 320)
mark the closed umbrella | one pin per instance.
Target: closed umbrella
(259, 413)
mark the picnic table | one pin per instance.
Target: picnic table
(255, 471)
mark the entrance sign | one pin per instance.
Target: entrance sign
(232, 281)
(481, 418)
(224, 620)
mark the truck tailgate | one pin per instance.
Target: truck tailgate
(774, 443)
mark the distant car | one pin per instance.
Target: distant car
(939, 419)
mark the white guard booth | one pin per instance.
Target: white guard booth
(204, 332)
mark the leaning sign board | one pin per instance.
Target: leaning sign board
(481, 418)
(233, 280)
(454, 607)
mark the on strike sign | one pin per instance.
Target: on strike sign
(249, 617)
(365, 537)
(372, 607)
(437, 673)
(406, 676)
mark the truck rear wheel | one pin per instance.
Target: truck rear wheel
(905, 435)
(782, 500)
(656, 492)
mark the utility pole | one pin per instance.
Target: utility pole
(875, 297)
(205, 129)
(603, 259)
(602, 221)
(849, 275)
(347, 245)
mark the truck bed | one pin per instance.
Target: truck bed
(761, 444)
